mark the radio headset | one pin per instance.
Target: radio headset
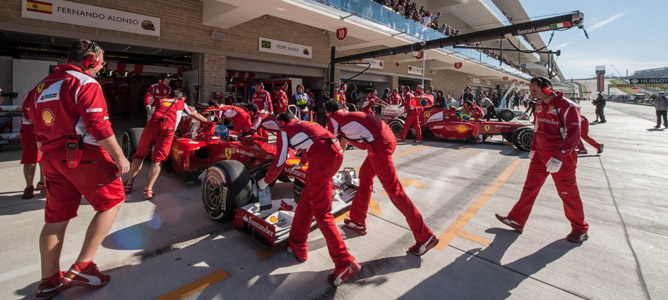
(92, 60)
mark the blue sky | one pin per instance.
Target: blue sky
(629, 35)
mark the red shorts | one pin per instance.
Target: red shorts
(154, 136)
(94, 178)
(29, 154)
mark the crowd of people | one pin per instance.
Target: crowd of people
(421, 15)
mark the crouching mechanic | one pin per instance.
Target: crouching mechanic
(557, 132)
(159, 132)
(368, 132)
(324, 155)
(80, 157)
(239, 116)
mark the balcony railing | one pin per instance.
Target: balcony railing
(408, 28)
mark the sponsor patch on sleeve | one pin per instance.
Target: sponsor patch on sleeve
(93, 110)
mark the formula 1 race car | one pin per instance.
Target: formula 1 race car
(449, 124)
(229, 167)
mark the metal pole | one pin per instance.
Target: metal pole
(424, 59)
(332, 72)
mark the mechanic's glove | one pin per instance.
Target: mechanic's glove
(148, 108)
(553, 165)
(261, 184)
(531, 155)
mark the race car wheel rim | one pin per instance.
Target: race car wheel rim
(397, 128)
(215, 193)
(526, 138)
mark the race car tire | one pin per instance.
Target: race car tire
(225, 187)
(522, 138)
(130, 141)
(507, 115)
(397, 126)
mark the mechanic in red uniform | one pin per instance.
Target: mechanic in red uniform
(412, 118)
(394, 98)
(584, 135)
(261, 98)
(322, 152)
(239, 116)
(474, 111)
(341, 94)
(282, 99)
(370, 101)
(367, 132)
(155, 93)
(80, 156)
(557, 132)
(158, 134)
(30, 156)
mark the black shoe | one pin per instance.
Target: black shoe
(577, 236)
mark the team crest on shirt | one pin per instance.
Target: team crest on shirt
(539, 109)
(487, 127)
(48, 117)
(228, 153)
(40, 87)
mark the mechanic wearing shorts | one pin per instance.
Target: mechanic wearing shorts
(159, 132)
(80, 157)
(30, 156)
(413, 111)
(557, 132)
(324, 156)
(368, 132)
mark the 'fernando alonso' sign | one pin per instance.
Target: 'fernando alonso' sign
(91, 16)
(284, 48)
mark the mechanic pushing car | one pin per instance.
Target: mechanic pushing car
(324, 155)
(155, 93)
(370, 101)
(413, 111)
(80, 156)
(368, 132)
(159, 133)
(557, 133)
(240, 117)
(261, 98)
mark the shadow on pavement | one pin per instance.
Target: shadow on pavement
(476, 273)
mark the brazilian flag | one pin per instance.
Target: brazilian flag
(266, 44)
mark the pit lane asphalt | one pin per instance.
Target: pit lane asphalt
(168, 247)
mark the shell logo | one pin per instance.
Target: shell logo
(293, 161)
(461, 128)
(166, 103)
(48, 117)
(273, 219)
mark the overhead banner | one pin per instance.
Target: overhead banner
(414, 70)
(284, 48)
(90, 16)
(648, 80)
(639, 85)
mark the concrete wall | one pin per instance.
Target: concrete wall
(450, 82)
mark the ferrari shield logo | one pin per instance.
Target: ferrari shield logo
(427, 115)
(228, 153)
(486, 127)
(40, 87)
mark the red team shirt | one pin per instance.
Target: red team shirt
(548, 121)
(394, 100)
(263, 101)
(281, 102)
(68, 102)
(173, 115)
(367, 105)
(155, 93)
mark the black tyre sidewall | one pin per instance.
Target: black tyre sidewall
(520, 137)
(235, 188)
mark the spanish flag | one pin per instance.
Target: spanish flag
(40, 7)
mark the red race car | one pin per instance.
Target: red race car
(229, 168)
(450, 124)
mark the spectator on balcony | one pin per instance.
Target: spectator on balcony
(434, 24)
(442, 29)
(426, 18)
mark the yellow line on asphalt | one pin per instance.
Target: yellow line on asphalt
(264, 254)
(475, 238)
(375, 208)
(459, 224)
(195, 286)
(410, 151)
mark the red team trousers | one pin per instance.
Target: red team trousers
(565, 182)
(412, 119)
(584, 135)
(316, 201)
(379, 163)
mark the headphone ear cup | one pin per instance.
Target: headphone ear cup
(547, 89)
(91, 61)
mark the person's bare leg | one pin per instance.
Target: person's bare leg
(29, 174)
(41, 174)
(50, 245)
(134, 169)
(97, 231)
(153, 173)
